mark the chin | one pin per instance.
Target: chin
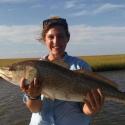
(57, 54)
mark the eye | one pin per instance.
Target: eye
(50, 37)
(12, 68)
(61, 36)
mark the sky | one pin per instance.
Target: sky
(97, 27)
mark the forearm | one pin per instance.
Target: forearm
(34, 105)
(32, 94)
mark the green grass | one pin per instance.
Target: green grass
(106, 62)
(6, 62)
(98, 63)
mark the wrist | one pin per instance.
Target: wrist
(33, 98)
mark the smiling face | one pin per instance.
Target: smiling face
(56, 40)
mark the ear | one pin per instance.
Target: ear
(68, 37)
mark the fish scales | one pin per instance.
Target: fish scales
(62, 83)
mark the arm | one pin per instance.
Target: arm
(94, 99)
(34, 105)
(33, 90)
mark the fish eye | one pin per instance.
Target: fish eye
(12, 68)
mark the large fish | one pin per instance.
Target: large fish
(61, 83)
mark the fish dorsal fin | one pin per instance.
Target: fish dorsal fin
(97, 76)
(79, 71)
(61, 62)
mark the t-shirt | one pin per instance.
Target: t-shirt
(58, 112)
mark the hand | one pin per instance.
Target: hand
(93, 102)
(33, 89)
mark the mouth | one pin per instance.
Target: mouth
(56, 47)
(5, 74)
(5, 77)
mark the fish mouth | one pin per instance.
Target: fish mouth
(5, 77)
(5, 74)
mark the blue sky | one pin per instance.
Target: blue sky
(97, 27)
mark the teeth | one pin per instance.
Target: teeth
(56, 47)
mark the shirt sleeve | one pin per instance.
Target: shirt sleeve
(76, 64)
(85, 66)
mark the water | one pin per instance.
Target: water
(12, 109)
(112, 113)
(14, 112)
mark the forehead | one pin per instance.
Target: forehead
(56, 30)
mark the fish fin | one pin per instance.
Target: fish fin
(97, 76)
(48, 96)
(79, 71)
(61, 62)
(110, 82)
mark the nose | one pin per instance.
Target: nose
(56, 40)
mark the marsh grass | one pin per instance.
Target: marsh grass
(98, 63)
(106, 62)
(6, 62)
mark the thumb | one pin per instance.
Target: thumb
(22, 85)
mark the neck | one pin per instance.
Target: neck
(52, 57)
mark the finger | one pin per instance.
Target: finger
(36, 82)
(21, 82)
(31, 86)
(40, 82)
(91, 100)
(102, 97)
(97, 98)
(88, 105)
(23, 87)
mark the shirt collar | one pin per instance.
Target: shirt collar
(63, 58)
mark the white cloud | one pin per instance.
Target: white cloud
(103, 40)
(19, 34)
(96, 9)
(37, 6)
(70, 4)
(74, 4)
(79, 33)
(15, 1)
(108, 7)
(10, 10)
(20, 41)
(103, 35)
(80, 13)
